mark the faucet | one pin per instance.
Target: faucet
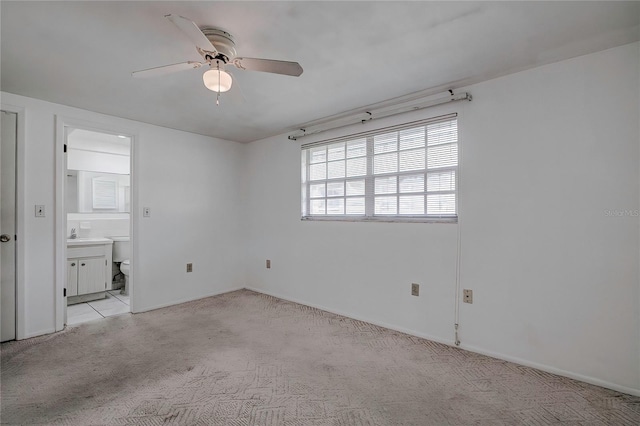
(73, 234)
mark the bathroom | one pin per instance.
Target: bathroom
(97, 204)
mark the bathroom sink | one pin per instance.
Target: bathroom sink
(87, 241)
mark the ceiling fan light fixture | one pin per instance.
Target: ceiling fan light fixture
(217, 80)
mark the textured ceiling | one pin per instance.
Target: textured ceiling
(353, 54)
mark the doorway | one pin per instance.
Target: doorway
(98, 227)
(8, 143)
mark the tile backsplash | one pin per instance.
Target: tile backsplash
(91, 225)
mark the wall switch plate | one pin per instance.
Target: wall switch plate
(146, 212)
(189, 267)
(415, 289)
(467, 296)
(268, 264)
(39, 210)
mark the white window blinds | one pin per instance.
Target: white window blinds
(407, 171)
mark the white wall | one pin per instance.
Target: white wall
(190, 184)
(546, 154)
(78, 159)
(361, 269)
(96, 155)
(555, 278)
(99, 225)
(185, 178)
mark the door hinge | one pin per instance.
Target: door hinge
(65, 147)
(64, 292)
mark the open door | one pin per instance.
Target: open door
(8, 143)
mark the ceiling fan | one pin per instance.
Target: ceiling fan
(218, 50)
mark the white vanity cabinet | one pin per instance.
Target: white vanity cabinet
(88, 269)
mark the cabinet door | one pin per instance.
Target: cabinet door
(91, 275)
(72, 277)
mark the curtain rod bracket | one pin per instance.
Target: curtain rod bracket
(295, 138)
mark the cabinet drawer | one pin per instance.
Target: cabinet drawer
(86, 251)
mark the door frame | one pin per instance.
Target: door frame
(20, 218)
(61, 218)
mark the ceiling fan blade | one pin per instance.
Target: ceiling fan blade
(268, 65)
(166, 69)
(191, 30)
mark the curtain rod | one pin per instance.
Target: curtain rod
(375, 113)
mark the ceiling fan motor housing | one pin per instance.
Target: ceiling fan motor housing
(222, 41)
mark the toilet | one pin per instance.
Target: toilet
(124, 268)
(121, 254)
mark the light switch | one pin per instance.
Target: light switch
(39, 210)
(146, 211)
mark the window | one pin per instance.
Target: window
(407, 171)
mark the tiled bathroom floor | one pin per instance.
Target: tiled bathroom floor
(114, 304)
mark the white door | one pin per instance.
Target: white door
(8, 139)
(72, 277)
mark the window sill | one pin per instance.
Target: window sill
(407, 219)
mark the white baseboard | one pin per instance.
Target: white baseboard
(357, 317)
(36, 333)
(191, 299)
(553, 370)
(470, 348)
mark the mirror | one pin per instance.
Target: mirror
(97, 192)
(98, 172)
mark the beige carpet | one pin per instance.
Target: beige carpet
(247, 359)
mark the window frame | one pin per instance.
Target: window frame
(369, 177)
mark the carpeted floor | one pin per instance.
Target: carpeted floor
(244, 358)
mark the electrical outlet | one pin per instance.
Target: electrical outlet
(39, 210)
(415, 289)
(268, 264)
(189, 267)
(146, 212)
(467, 296)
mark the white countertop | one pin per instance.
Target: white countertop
(88, 241)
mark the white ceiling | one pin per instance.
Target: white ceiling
(353, 54)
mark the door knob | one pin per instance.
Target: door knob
(5, 238)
